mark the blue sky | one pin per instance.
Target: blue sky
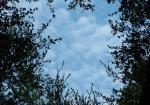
(85, 39)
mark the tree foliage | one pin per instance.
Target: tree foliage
(84, 4)
(22, 53)
(132, 57)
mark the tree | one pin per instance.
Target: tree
(22, 53)
(57, 93)
(132, 58)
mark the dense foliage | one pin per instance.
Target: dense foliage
(132, 57)
(22, 52)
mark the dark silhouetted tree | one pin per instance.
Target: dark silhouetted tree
(22, 53)
(132, 57)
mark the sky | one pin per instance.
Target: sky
(85, 37)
